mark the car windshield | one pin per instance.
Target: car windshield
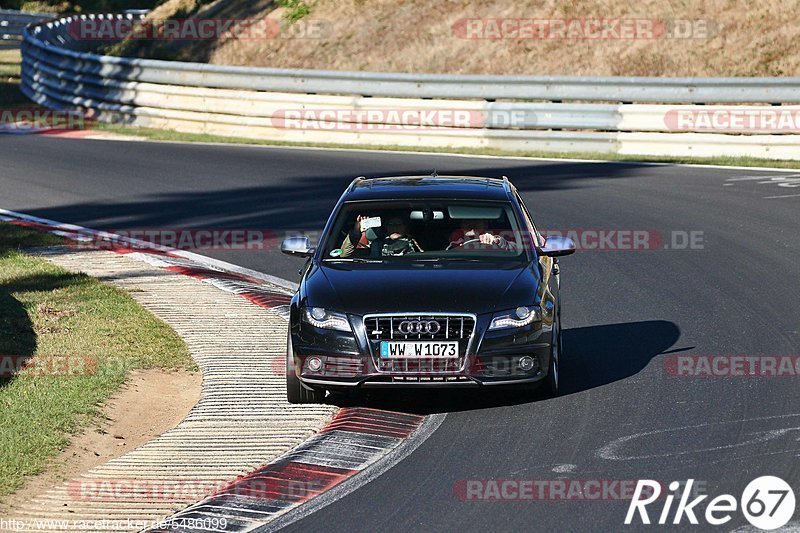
(425, 230)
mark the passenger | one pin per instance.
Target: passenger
(394, 240)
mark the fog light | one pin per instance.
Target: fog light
(314, 364)
(526, 363)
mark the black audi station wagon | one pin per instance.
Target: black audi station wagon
(425, 281)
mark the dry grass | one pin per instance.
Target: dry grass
(749, 38)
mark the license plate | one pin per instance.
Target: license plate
(421, 350)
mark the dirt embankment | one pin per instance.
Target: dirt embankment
(550, 37)
(150, 403)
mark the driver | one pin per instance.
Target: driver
(476, 231)
(393, 241)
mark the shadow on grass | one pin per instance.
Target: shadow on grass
(15, 238)
(10, 95)
(17, 337)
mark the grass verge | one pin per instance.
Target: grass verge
(10, 62)
(10, 94)
(79, 338)
(165, 135)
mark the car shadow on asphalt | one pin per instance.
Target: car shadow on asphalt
(274, 192)
(593, 356)
(279, 201)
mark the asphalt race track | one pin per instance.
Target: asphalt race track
(627, 315)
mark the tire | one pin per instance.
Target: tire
(552, 380)
(296, 392)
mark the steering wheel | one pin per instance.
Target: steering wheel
(470, 241)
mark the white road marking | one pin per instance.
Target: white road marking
(749, 178)
(782, 196)
(790, 181)
(612, 451)
(787, 181)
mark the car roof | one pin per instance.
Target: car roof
(430, 186)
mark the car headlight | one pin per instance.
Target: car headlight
(519, 317)
(324, 319)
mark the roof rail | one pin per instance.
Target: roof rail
(506, 184)
(353, 183)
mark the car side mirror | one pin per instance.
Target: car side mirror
(557, 246)
(298, 246)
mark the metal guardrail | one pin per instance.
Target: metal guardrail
(60, 71)
(13, 23)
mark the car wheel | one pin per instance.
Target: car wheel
(552, 380)
(296, 392)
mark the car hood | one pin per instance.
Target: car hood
(363, 289)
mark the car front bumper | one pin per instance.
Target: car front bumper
(348, 359)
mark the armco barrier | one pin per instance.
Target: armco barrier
(61, 72)
(12, 23)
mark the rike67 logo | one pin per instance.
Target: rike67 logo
(768, 503)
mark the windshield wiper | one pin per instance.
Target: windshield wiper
(353, 259)
(435, 259)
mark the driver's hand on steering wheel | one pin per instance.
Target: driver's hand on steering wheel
(488, 238)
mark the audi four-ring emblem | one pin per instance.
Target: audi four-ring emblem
(408, 327)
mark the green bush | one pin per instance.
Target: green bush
(295, 10)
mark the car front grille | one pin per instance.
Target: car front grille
(450, 327)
